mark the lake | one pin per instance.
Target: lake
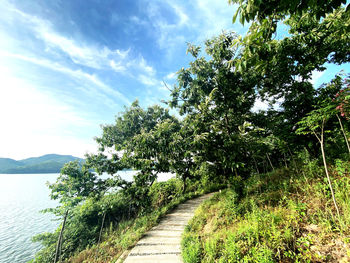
(22, 196)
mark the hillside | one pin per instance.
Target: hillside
(49, 163)
(7, 163)
(282, 216)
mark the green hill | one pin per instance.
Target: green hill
(7, 163)
(49, 163)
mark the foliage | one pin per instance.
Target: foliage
(74, 184)
(250, 10)
(317, 35)
(216, 101)
(342, 97)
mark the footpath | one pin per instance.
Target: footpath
(162, 243)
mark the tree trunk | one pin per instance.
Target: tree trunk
(256, 165)
(184, 177)
(327, 174)
(264, 166)
(268, 158)
(58, 253)
(99, 236)
(291, 155)
(60, 249)
(103, 221)
(342, 129)
(285, 160)
(236, 173)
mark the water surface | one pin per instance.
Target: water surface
(22, 196)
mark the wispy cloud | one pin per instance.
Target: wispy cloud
(80, 53)
(213, 17)
(183, 19)
(84, 54)
(191, 21)
(78, 74)
(167, 32)
(147, 80)
(171, 76)
(140, 64)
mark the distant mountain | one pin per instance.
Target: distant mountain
(49, 163)
(7, 163)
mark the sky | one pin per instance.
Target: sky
(68, 67)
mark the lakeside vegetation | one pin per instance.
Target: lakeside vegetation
(286, 169)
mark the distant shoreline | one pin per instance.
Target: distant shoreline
(46, 164)
(30, 173)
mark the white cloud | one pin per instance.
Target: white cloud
(80, 53)
(260, 105)
(117, 67)
(140, 65)
(315, 76)
(144, 73)
(183, 18)
(137, 20)
(148, 81)
(214, 16)
(263, 105)
(77, 74)
(195, 21)
(168, 33)
(171, 76)
(94, 56)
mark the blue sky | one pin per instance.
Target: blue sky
(68, 66)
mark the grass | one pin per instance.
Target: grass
(282, 216)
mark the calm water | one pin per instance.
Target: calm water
(22, 196)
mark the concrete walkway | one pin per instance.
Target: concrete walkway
(162, 243)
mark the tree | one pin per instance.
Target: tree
(137, 140)
(314, 123)
(73, 185)
(216, 100)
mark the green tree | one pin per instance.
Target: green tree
(216, 100)
(73, 185)
(314, 123)
(138, 140)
